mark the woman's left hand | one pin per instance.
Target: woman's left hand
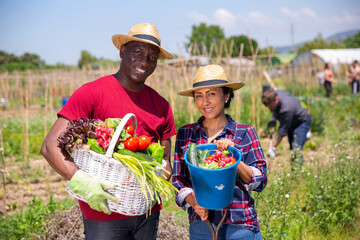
(223, 144)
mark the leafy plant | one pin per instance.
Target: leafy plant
(29, 223)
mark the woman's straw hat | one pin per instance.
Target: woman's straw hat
(142, 32)
(211, 76)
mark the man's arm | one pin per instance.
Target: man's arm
(59, 159)
(167, 153)
(278, 139)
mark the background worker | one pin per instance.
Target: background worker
(354, 77)
(114, 96)
(295, 121)
(328, 79)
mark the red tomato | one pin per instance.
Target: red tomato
(144, 142)
(131, 143)
(130, 130)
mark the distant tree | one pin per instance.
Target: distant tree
(238, 40)
(86, 59)
(204, 36)
(319, 43)
(267, 51)
(352, 41)
(7, 58)
(31, 58)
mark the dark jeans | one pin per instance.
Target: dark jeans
(297, 137)
(328, 88)
(137, 228)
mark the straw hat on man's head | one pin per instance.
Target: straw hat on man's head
(211, 76)
(142, 32)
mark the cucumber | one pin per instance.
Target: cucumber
(192, 154)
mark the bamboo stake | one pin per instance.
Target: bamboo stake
(3, 171)
(46, 105)
(238, 71)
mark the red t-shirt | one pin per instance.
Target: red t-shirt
(107, 98)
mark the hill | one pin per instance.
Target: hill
(337, 36)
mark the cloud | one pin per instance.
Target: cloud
(308, 12)
(287, 12)
(347, 17)
(224, 18)
(298, 15)
(262, 20)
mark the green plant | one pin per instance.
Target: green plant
(29, 223)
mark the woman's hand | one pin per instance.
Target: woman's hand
(223, 144)
(202, 212)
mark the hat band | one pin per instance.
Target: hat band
(147, 37)
(209, 82)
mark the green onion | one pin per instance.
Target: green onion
(149, 181)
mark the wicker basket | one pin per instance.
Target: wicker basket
(132, 201)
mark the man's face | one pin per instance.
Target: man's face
(274, 104)
(139, 60)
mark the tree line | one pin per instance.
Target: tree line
(204, 39)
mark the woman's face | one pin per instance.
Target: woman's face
(210, 102)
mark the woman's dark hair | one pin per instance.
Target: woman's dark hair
(227, 90)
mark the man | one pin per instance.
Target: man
(114, 96)
(354, 77)
(295, 122)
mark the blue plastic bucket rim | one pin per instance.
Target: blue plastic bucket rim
(219, 169)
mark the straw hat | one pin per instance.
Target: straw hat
(142, 32)
(211, 76)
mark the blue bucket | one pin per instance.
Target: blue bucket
(214, 188)
(64, 100)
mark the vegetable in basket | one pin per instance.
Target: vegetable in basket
(157, 151)
(145, 167)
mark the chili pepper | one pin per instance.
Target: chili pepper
(226, 152)
(97, 149)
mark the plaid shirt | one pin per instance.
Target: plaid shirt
(241, 210)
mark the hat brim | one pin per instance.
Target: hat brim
(121, 39)
(234, 86)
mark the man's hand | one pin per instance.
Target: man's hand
(92, 189)
(271, 123)
(271, 152)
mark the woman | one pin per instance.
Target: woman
(213, 94)
(329, 80)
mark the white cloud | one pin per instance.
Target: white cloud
(262, 20)
(289, 13)
(224, 18)
(308, 12)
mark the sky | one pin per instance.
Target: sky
(58, 31)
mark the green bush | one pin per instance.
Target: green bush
(29, 223)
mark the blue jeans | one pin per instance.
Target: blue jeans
(199, 230)
(297, 137)
(136, 228)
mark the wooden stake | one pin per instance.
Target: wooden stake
(3, 171)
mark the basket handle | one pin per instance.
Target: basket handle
(117, 133)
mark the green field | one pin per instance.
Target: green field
(319, 200)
